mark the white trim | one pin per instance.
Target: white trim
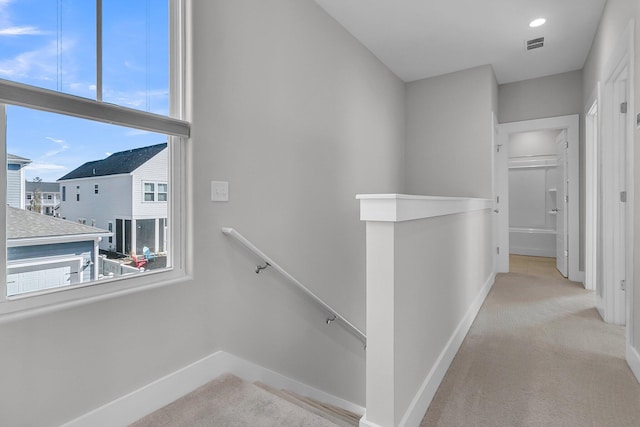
(617, 251)
(592, 116)
(572, 124)
(151, 397)
(366, 423)
(403, 207)
(420, 403)
(633, 360)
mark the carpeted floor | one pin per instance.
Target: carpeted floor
(230, 402)
(538, 354)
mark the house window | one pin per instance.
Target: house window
(162, 192)
(28, 196)
(110, 228)
(49, 197)
(37, 100)
(64, 193)
(149, 192)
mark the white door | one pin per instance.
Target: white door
(562, 237)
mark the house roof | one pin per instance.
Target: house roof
(23, 224)
(118, 163)
(12, 158)
(44, 187)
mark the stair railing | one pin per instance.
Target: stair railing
(334, 316)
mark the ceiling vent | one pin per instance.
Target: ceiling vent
(534, 43)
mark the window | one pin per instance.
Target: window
(110, 228)
(49, 197)
(28, 196)
(124, 60)
(149, 192)
(162, 192)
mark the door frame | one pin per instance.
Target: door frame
(593, 127)
(572, 124)
(617, 306)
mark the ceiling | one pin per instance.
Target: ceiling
(425, 38)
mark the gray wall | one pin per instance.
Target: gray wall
(448, 148)
(615, 19)
(299, 118)
(550, 96)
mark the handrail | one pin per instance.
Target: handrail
(271, 263)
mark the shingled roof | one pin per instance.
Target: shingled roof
(117, 163)
(12, 158)
(22, 224)
(43, 187)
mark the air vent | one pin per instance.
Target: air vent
(534, 43)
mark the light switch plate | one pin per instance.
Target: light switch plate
(219, 191)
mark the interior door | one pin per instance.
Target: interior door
(562, 237)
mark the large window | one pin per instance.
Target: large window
(85, 103)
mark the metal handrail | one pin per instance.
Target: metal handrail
(334, 315)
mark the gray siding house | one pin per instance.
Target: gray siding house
(45, 252)
(15, 180)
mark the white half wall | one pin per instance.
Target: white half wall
(426, 280)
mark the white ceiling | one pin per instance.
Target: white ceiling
(424, 38)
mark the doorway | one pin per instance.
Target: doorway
(538, 192)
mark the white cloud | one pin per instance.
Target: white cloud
(44, 167)
(38, 64)
(20, 31)
(57, 141)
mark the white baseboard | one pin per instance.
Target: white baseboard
(542, 252)
(633, 360)
(580, 277)
(423, 398)
(135, 405)
(365, 423)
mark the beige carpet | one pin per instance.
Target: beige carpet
(538, 354)
(230, 402)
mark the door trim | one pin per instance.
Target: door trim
(572, 124)
(621, 58)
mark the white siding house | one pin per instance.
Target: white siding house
(49, 197)
(15, 180)
(123, 193)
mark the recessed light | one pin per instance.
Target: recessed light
(537, 22)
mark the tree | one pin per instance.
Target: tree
(36, 198)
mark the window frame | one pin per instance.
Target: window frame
(177, 129)
(145, 192)
(158, 192)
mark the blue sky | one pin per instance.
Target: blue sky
(51, 44)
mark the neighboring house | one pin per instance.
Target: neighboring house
(45, 252)
(125, 193)
(49, 197)
(15, 180)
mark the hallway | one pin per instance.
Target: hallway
(538, 354)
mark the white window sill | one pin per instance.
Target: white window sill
(24, 306)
